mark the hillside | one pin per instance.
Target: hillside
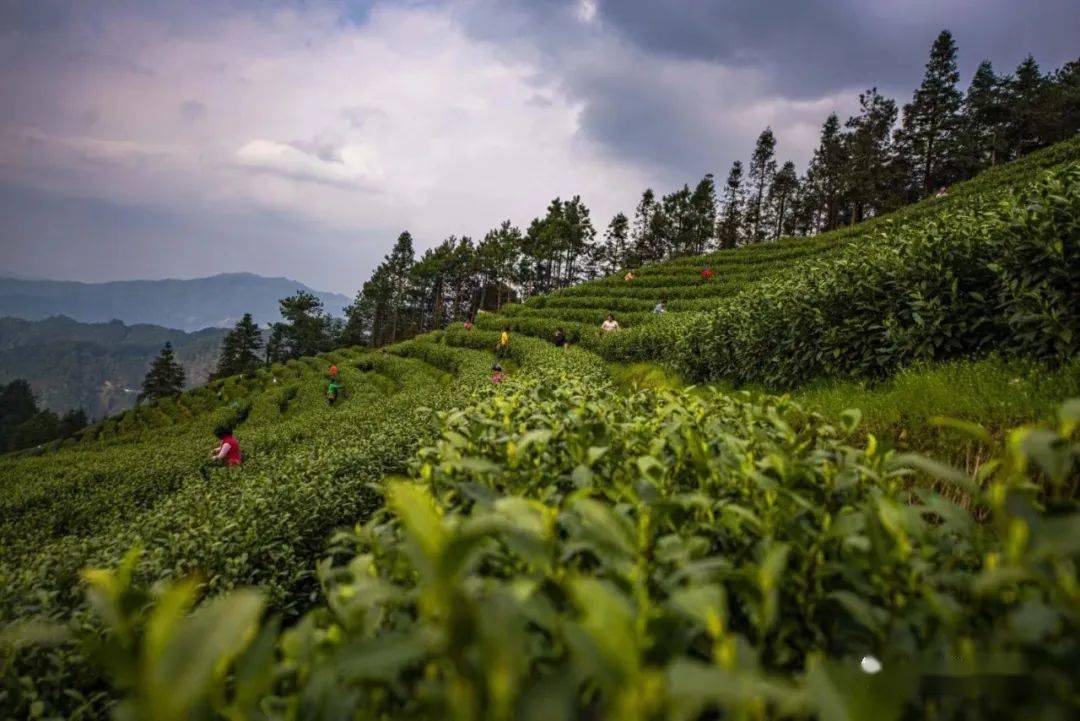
(593, 540)
(189, 305)
(579, 310)
(96, 366)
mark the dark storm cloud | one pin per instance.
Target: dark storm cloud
(812, 47)
(785, 63)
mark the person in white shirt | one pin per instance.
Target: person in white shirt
(661, 307)
(610, 324)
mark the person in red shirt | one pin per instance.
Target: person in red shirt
(228, 451)
(707, 274)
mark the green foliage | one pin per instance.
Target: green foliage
(994, 393)
(558, 546)
(951, 287)
(307, 329)
(240, 351)
(564, 551)
(165, 378)
(263, 524)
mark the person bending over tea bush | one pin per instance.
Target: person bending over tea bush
(228, 451)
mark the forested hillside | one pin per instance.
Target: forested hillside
(98, 367)
(587, 539)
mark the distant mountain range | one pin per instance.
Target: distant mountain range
(98, 367)
(189, 305)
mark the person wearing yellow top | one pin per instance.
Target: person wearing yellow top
(503, 349)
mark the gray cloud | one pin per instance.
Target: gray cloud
(156, 138)
(192, 111)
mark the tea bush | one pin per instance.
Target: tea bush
(307, 469)
(567, 552)
(748, 273)
(996, 278)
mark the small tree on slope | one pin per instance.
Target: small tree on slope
(165, 378)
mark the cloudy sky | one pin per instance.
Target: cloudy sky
(150, 139)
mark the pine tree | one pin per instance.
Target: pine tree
(1064, 99)
(365, 317)
(783, 187)
(240, 349)
(762, 168)
(496, 257)
(678, 234)
(616, 238)
(827, 174)
(643, 240)
(307, 330)
(727, 231)
(703, 206)
(1029, 125)
(985, 117)
(399, 265)
(868, 151)
(931, 120)
(576, 247)
(165, 378)
(17, 406)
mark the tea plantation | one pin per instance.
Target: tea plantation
(897, 537)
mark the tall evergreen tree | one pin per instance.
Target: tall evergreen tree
(577, 244)
(827, 174)
(399, 267)
(240, 349)
(365, 317)
(1065, 101)
(644, 245)
(1030, 122)
(307, 329)
(496, 258)
(165, 378)
(616, 240)
(984, 120)
(728, 230)
(762, 168)
(703, 206)
(929, 132)
(17, 406)
(781, 191)
(678, 234)
(868, 151)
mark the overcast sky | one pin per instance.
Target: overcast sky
(151, 139)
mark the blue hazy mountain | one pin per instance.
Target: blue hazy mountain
(189, 305)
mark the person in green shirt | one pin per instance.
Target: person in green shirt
(333, 391)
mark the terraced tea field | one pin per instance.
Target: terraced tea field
(567, 545)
